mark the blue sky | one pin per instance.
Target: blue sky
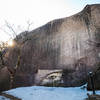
(39, 12)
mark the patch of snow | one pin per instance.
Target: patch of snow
(3, 98)
(49, 93)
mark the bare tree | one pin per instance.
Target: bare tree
(3, 46)
(29, 24)
(13, 34)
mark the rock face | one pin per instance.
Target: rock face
(96, 81)
(4, 79)
(67, 43)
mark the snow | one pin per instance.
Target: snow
(49, 93)
(3, 98)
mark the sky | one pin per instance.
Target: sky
(38, 12)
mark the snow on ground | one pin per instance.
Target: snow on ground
(49, 93)
(3, 98)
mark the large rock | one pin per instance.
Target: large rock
(4, 79)
(67, 43)
(96, 80)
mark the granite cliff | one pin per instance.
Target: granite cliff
(70, 43)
